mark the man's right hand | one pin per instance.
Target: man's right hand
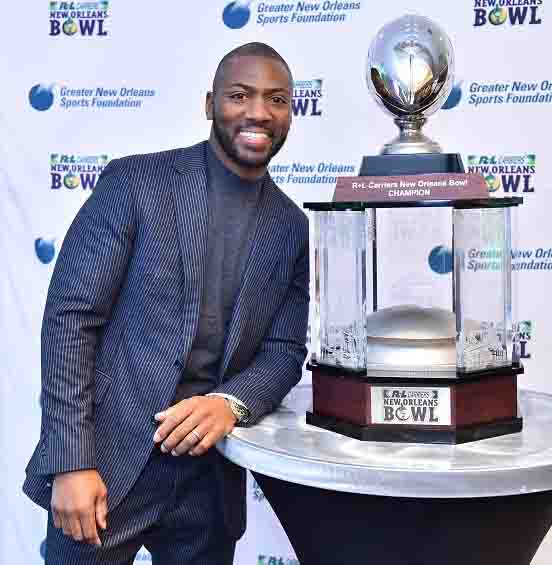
(79, 505)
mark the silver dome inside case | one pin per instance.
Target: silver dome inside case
(412, 340)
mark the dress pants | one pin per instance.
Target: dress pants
(173, 509)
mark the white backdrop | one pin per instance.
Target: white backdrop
(84, 82)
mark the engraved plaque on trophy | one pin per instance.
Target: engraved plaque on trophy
(410, 372)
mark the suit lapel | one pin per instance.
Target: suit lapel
(191, 206)
(260, 264)
(189, 190)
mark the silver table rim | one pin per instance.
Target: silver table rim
(256, 449)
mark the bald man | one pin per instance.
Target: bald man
(177, 310)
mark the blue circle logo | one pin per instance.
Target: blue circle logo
(454, 97)
(440, 260)
(45, 250)
(43, 549)
(41, 97)
(236, 14)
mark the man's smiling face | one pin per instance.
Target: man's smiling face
(251, 113)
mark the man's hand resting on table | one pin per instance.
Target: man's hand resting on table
(194, 425)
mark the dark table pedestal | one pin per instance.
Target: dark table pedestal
(347, 502)
(329, 528)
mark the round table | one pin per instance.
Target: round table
(343, 501)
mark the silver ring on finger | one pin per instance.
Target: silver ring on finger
(196, 435)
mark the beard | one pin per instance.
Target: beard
(225, 141)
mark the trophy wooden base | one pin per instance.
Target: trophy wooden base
(416, 410)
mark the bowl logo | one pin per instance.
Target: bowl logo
(498, 16)
(440, 260)
(45, 250)
(517, 13)
(454, 97)
(71, 181)
(401, 413)
(70, 27)
(237, 14)
(41, 97)
(493, 183)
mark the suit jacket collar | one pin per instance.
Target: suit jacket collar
(191, 159)
(189, 189)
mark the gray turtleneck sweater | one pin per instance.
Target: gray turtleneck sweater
(233, 211)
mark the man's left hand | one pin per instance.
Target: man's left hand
(194, 425)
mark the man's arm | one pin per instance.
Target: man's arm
(277, 366)
(197, 423)
(88, 275)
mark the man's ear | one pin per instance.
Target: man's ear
(209, 105)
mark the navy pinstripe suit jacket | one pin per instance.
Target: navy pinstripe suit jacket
(122, 311)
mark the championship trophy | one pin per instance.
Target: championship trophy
(408, 372)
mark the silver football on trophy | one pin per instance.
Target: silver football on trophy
(409, 71)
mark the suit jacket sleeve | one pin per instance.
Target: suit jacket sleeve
(89, 272)
(277, 365)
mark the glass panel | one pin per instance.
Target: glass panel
(414, 257)
(341, 286)
(521, 326)
(483, 294)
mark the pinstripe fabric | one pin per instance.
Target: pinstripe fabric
(122, 312)
(168, 493)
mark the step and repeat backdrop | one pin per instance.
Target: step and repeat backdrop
(85, 82)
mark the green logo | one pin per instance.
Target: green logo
(71, 181)
(498, 16)
(525, 328)
(70, 27)
(493, 183)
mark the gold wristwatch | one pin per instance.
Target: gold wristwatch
(239, 410)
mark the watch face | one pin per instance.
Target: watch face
(239, 411)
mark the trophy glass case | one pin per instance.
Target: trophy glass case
(389, 371)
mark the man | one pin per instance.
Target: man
(177, 309)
